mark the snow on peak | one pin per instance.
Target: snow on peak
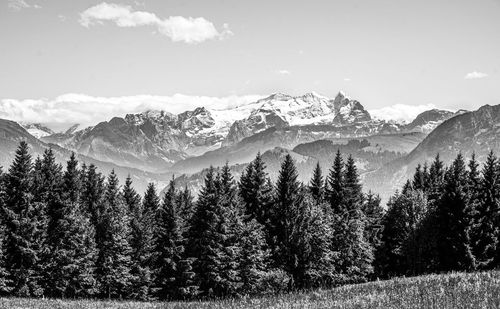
(38, 130)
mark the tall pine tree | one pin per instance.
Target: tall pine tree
(455, 252)
(355, 254)
(4, 275)
(114, 260)
(486, 230)
(317, 184)
(72, 247)
(255, 191)
(205, 243)
(141, 227)
(335, 183)
(169, 250)
(26, 226)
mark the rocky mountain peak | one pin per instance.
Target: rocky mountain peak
(278, 96)
(428, 120)
(38, 130)
(72, 129)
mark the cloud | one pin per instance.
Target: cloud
(17, 5)
(177, 28)
(283, 72)
(400, 112)
(86, 110)
(347, 79)
(475, 75)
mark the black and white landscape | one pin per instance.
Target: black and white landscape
(154, 145)
(237, 154)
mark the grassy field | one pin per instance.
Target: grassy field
(476, 290)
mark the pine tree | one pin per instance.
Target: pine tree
(317, 184)
(429, 230)
(436, 180)
(26, 224)
(335, 188)
(355, 253)
(353, 195)
(374, 213)
(186, 206)
(92, 197)
(487, 215)
(151, 201)
(230, 227)
(47, 189)
(399, 253)
(287, 189)
(169, 249)
(255, 191)
(254, 256)
(454, 242)
(70, 271)
(204, 240)
(309, 257)
(474, 202)
(114, 260)
(421, 178)
(141, 227)
(407, 187)
(131, 198)
(473, 184)
(5, 283)
(301, 243)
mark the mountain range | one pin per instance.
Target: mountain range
(154, 145)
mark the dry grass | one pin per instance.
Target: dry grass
(476, 290)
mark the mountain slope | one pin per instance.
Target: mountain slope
(477, 131)
(370, 154)
(470, 132)
(11, 133)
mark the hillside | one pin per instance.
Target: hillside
(11, 133)
(459, 290)
(469, 132)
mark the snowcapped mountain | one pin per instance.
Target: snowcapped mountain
(38, 130)
(281, 110)
(159, 143)
(187, 142)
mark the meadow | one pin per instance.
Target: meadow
(456, 290)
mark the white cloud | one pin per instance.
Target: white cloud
(475, 75)
(86, 110)
(283, 72)
(17, 5)
(400, 112)
(177, 28)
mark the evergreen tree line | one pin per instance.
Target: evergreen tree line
(70, 232)
(444, 219)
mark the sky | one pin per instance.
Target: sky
(397, 57)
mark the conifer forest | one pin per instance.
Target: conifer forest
(71, 232)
